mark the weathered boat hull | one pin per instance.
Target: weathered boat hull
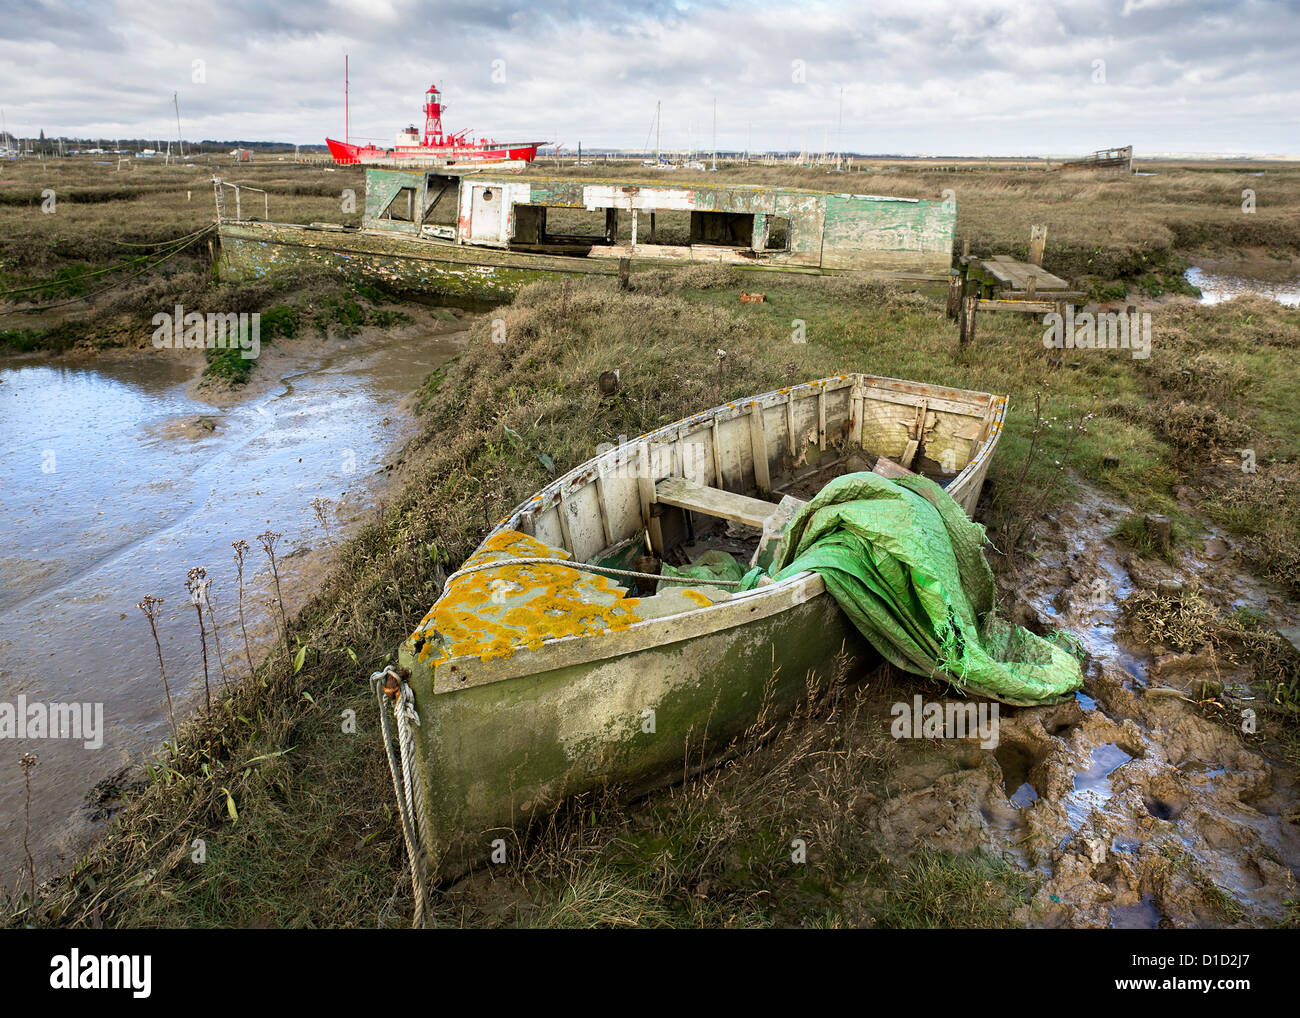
(513, 731)
(454, 232)
(506, 751)
(401, 263)
(392, 260)
(409, 264)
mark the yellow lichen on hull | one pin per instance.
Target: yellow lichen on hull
(494, 612)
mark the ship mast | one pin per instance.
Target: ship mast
(347, 110)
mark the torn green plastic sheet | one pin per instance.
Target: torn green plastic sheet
(907, 566)
(712, 565)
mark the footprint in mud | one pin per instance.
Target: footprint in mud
(1221, 835)
(1017, 762)
(1145, 915)
(1165, 799)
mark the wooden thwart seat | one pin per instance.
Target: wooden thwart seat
(727, 505)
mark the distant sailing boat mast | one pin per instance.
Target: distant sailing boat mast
(180, 141)
(715, 132)
(658, 112)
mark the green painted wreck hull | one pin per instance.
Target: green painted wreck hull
(497, 754)
(407, 264)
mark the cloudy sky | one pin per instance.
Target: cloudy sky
(995, 77)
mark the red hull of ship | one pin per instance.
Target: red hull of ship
(426, 155)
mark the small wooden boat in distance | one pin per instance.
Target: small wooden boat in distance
(541, 672)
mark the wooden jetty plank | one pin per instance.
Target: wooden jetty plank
(1035, 307)
(1015, 274)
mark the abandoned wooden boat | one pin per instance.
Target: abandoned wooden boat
(458, 233)
(536, 678)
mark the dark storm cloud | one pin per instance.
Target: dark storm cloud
(1004, 76)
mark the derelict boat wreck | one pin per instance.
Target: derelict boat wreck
(463, 234)
(535, 679)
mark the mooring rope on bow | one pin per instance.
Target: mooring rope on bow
(589, 568)
(389, 685)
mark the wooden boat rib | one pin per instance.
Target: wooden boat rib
(537, 680)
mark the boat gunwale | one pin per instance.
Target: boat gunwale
(471, 670)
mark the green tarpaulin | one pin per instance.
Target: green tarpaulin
(907, 566)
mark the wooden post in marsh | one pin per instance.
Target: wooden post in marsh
(624, 272)
(1037, 242)
(953, 308)
(968, 308)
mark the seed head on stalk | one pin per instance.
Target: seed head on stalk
(196, 582)
(241, 548)
(150, 608)
(268, 540)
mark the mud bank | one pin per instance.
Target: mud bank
(1133, 804)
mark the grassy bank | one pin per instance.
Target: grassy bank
(295, 811)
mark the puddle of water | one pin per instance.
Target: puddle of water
(1216, 288)
(1025, 795)
(1202, 771)
(1085, 701)
(1092, 787)
(1145, 915)
(109, 492)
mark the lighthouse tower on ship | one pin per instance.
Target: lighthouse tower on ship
(433, 117)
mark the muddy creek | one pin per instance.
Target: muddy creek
(115, 479)
(1217, 285)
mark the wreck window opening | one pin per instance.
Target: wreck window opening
(441, 195)
(402, 208)
(778, 234)
(722, 229)
(570, 226)
(665, 228)
(530, 225)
